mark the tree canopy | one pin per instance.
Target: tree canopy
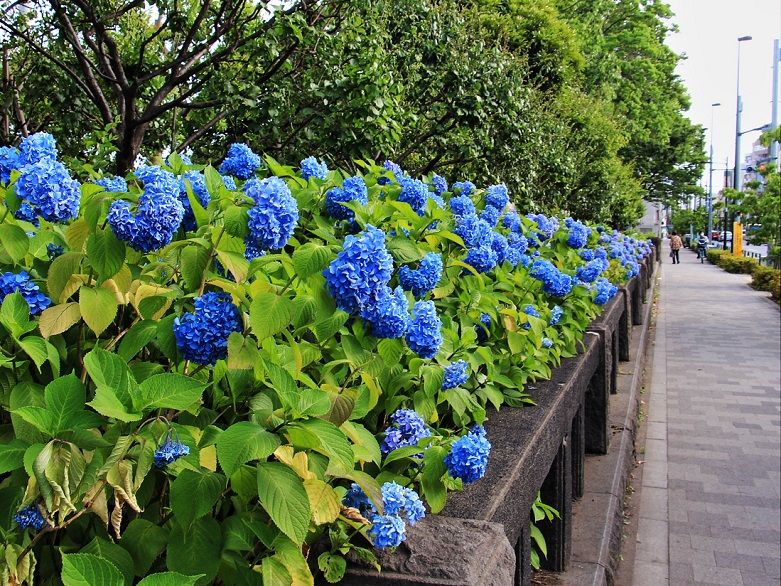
(574, 104)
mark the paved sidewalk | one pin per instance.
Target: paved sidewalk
(711, 491)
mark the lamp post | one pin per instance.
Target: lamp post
(710, 173)
(738, 109)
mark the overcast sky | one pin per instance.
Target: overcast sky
(708, 32)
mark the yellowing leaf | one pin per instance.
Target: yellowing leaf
(298, 462)
(323, 501)
(98, 308)
(58, 319)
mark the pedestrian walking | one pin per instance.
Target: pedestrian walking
(675, 245)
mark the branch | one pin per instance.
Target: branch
(201, 131)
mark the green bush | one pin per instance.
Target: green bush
(762, 278)
(714, 254)
(731, 262)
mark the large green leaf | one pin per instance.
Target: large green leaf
(282, 494)
(64, 410)
(170, 391)
(431, 480)
(106, 253)
(116, 391)
(114, 554)
(60, 272)
(136, 338)
(193, 495)
(193, 263)
(144, 541)
(12, 455)
(86, 569)
(323, 437)
(98, 308)
(15, 314)
(269, 314)
(15, 241)
(197, 550)
(243, 442)
(310, 258)
(36, 349)
(169, 579)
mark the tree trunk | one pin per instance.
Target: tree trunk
(131, 137)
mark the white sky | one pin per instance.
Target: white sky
(708, 32)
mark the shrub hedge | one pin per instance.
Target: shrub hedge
(767, 279)
(245, 375)
(732, 263)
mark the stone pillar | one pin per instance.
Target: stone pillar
(556, 491)
(578, 445)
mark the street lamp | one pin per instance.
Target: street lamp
(710, 173)
(738, 108)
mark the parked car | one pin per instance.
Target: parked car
(728, 233)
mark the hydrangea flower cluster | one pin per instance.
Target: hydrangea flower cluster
(482, 258)
(202, 336)
(387, 531)
(407, 429)
(352, 189)
(532, 311)
(48, 187)
(605, 290)
(554, 282)
(40, 146)
(21, 283)
(546, 227)
(497, 197)
(512, 221)
(240, 162)
(415, 193)
(26, 213)
(112, 184)
(169, 452)
(555, 315)
(490, 215)
(311, 168)
(360, 272)
(273, 218)
(439, 183)
(423, 279)
(424, 334)
(464, 188)
(397, 171)
(455, 375)
(578, 233)
(472, 230)
(30, 518)
(399, 504)
(461, 205)
(54, 250)
(158, 216)
(468, 457)
(589, 272)
(9, 161)
(388, 313)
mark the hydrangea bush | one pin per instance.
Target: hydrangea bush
(244, 376)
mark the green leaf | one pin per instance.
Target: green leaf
(326, 329)
(86, 569)
(431, 480)
(116, 392)
(275, 573)
(98, 308)
(201, 217)
(332, 566)
(234, 263)
(368, 484)
(169, 579)
(106, 253)
(144, 541)
(282, 495)
(114, 554)
(192, 265)
(64, 396)
(310, 259)
(170, 391)
(12, 455)
(365, 444)
(60, 272)
(107, 403)
(193, 494)
(236, 220)
(242, 352)
(323, 437)
(15, 241)
(390, 349)
(15, 314)
(313, 403)
(323, 501)
(269, 314)
(243, 442)
(196, 550)
(58, 319)
(404, 250)
(36, 349)
(136, 338)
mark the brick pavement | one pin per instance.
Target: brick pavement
(709, 501)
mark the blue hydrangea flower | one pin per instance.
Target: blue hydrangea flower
(169, 452)
(202, 336)
(159, 212)
(387, 531)
(229, 182)
(273, 218)
(54, 250)
(482, 258)
(112, 184)
(26, 213)
(512, 221)
(415, 193)
(468, 457)
(526, 260)
(578, 234)
(440, 204)
(48, 187)
(197, 182)
(352, 189)
(388, 314)
(589, 272)
(605, 290)
(472, 230)
(240, 162)
(9, 161)
(20, 283)
(357, 499)
(501, 246)
(407, 429)
(555, 315)
(439, 183)
(490, 215)
(554, 282)
(496, 196)
(37, 147)
(547, 343)
(546, 227)
(424, 334)
(483, 328)
(402, 502)
(517, 242)
(397, 172)
(586, 254)
(464, 188)
(456, 374)
(530, 310)
(461, 205)
(423, 279)
(360, 272)
(30, 518)
(310, 167)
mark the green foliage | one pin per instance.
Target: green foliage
(540, 513)
(767, 279)
(731, 262)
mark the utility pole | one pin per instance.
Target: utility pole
(774, 116)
